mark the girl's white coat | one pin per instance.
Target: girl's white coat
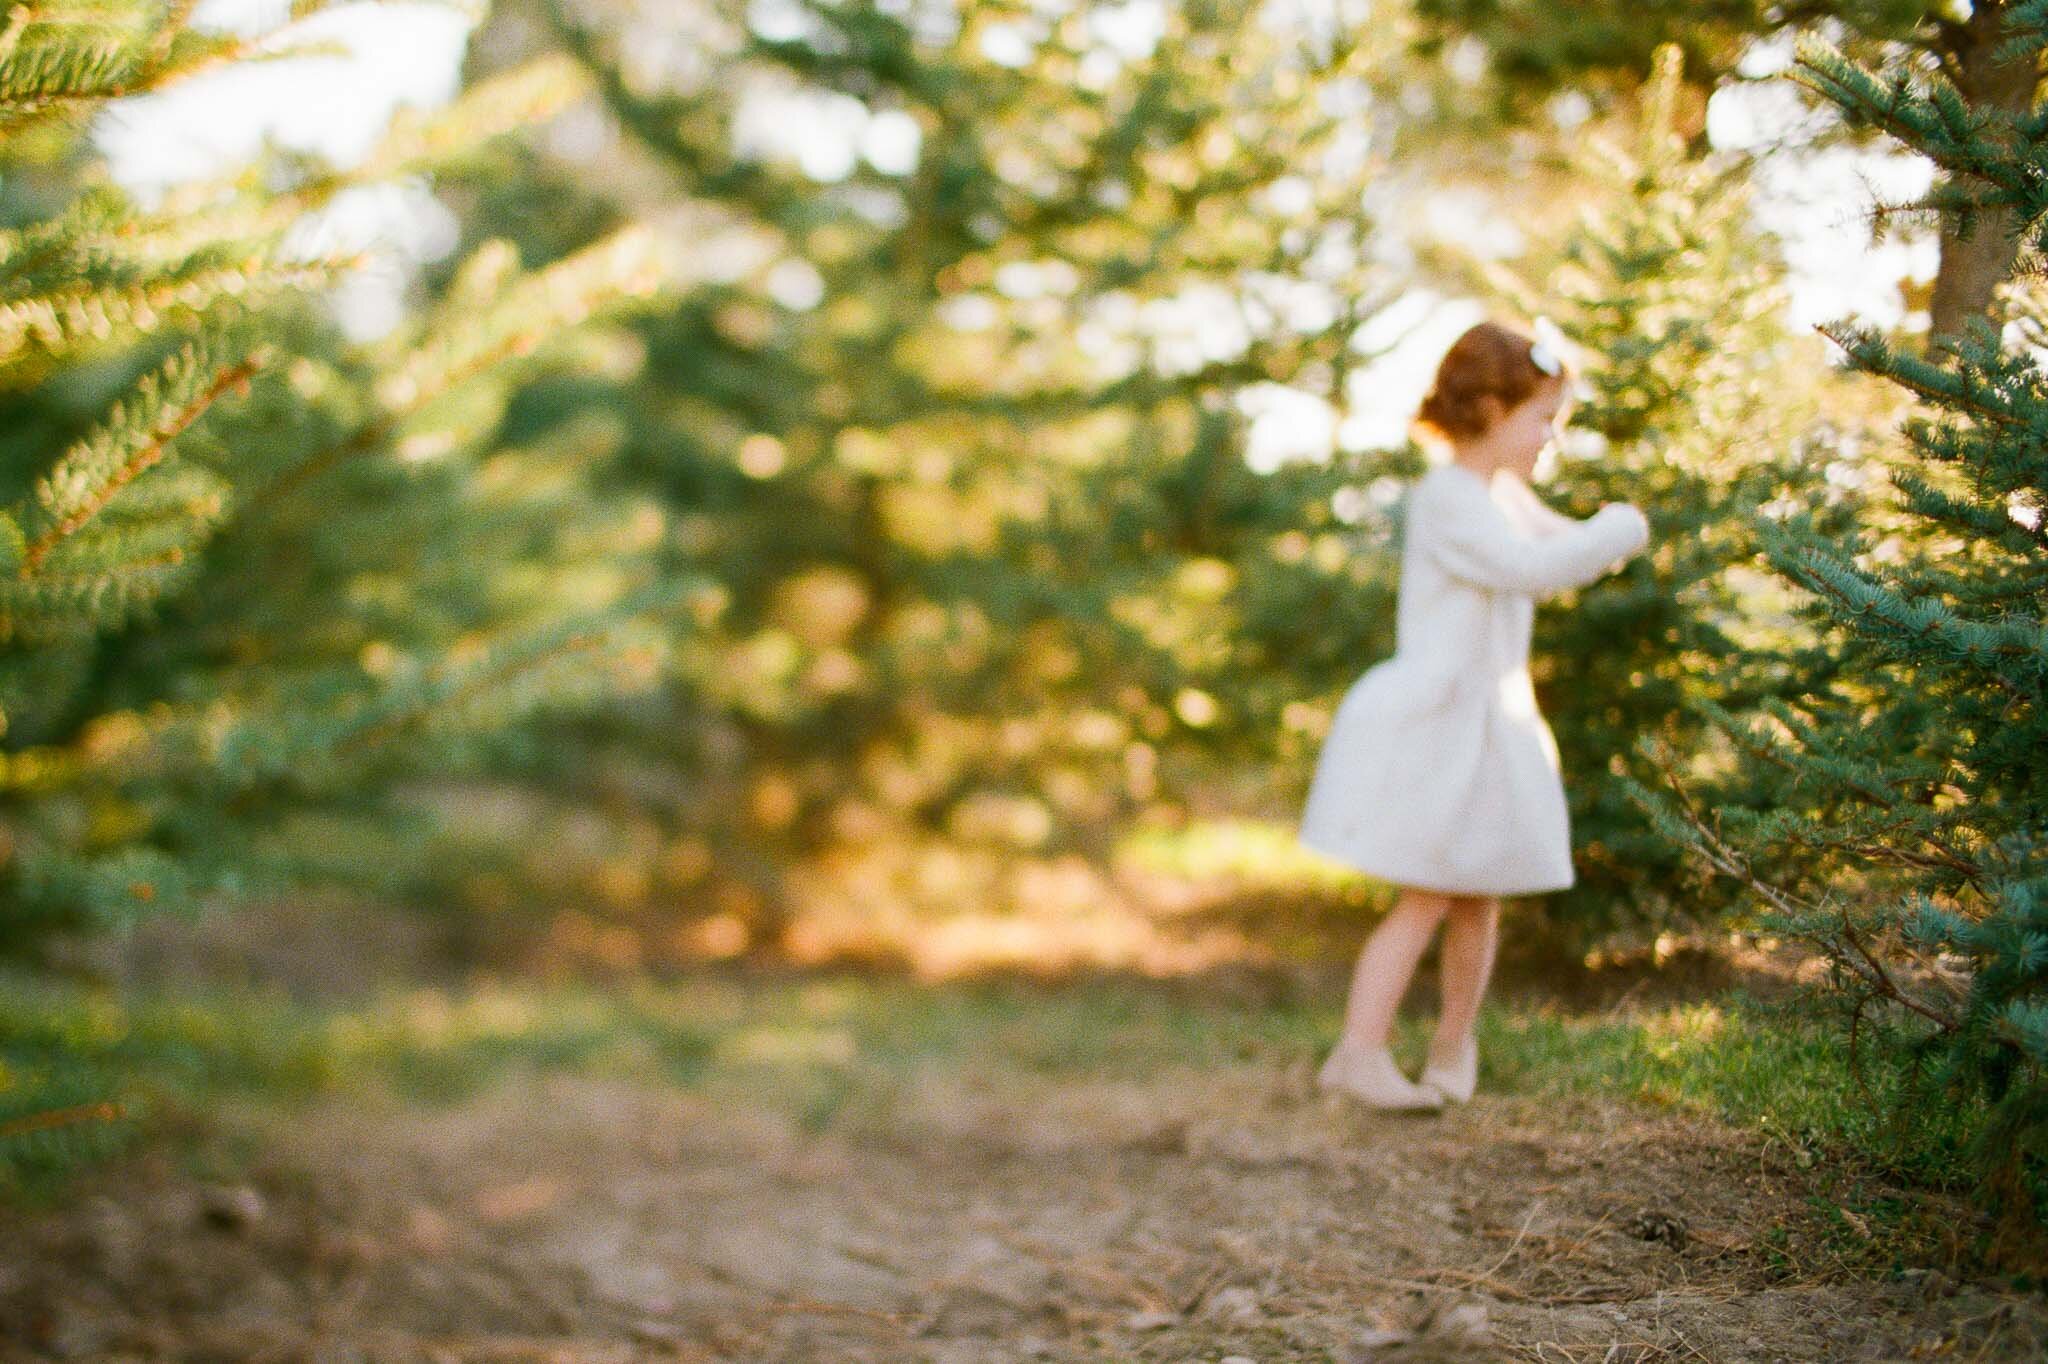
(1438, 771)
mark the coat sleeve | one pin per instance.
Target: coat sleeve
(1473, 540)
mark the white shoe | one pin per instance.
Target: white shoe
(1456, 1081)
(1372, 1078)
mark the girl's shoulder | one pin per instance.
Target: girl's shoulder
(1452, 474)
(1450, 485)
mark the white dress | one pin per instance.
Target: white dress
(1438, 771)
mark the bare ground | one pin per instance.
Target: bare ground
(952, 1215)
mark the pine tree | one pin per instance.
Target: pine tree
(1002, 381)
(1702, 405)
(253, 576)
(1533, 49)
(1909, 847)
(1538, 47)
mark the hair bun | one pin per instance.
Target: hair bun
(1488, 370)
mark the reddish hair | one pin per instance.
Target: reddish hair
(1489, 361)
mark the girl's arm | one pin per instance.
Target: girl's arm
(1538, 515)
(1474, 541)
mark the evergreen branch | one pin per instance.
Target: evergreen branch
(1724, 858)
(1936, 383)
(2026, 31)
(51, 76)
(1972, 643)
(60, 1117)
(1840, 775)
(1886, 854)
(526, 315)
(458, 685)
(473, 684)
(40, 79)
(82, 484)
(1963, 140)
(56, 319)
(91, 577)
(236, 226)
(17, 23)
(1760, 745)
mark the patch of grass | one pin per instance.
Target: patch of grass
(816, 1048)
(1791, 1080)
(804, 1046)
(1788, 1078)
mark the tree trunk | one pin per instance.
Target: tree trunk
(1972, 266)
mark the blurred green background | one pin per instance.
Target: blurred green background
(578, 492)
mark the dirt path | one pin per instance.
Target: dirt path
(1212, 1214)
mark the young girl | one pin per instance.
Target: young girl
(1439, 775)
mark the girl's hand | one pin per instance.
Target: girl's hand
(1630, 512)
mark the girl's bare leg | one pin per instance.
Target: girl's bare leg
(1471, 931)
(1386, 964)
